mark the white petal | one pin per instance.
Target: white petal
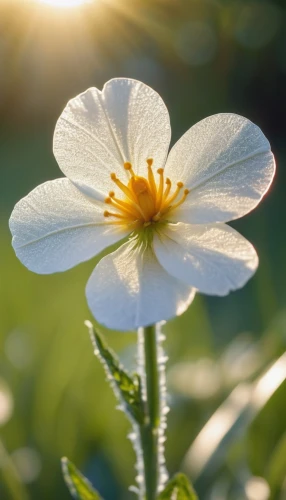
(226, 162)
(129, 289)
(213, 258)
(56, 227)
(99, 131)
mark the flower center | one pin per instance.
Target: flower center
(146, 200)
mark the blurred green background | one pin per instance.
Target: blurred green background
(227, 367)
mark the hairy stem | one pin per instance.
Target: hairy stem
(152, 376)
(150, 430)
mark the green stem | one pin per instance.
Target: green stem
(150, 430)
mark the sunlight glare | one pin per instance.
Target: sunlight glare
(64, 3)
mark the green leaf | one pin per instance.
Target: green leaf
(80, 488)
(263, 438)
(178, 488)
(126, 387)
(276, 471)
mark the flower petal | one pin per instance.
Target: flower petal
(99, 131)
(56, 227)
(129, 289)
(214, 258)
(226, 162)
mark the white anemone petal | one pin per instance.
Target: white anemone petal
(130, 289)
(214, 258)
(56, 227)
(226, 162)
(99, 131)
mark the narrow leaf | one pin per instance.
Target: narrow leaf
(79, 487)
(178, 488)
(276, 468)
(126, 387)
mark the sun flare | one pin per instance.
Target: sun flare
(64, 3)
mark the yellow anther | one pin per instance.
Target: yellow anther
(160, 171)
(150, 162)
(113, 176)
(167, 189)
(111, 194)
(128, 167)
(180, 184)
(113, 214)
(107, 200)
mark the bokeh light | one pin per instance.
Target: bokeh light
(64, 3)
(19, 349)
(6, 402)
(256, 24)
(200, 379)
(28, 464)
(257, 487)
(196, 43)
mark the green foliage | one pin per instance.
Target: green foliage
(276, 472)
(178, 488)
(266, 431)
(80, 488)
(267, 442)
(126, 387)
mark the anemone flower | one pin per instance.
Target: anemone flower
(167, 213)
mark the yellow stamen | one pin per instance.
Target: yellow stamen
(122, 186)
(160, 171)
(151, 177)
(186, 192)
(167, 189)
(128, 166)
(112, 214)
(146, 200)
(129, 208)
(175, 194)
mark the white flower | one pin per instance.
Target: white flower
(112, 146)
